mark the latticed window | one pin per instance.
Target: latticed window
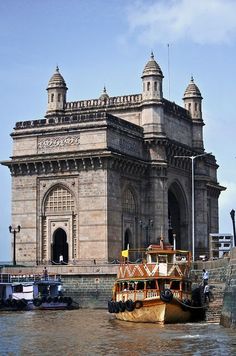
(128, 203)
(59, 199)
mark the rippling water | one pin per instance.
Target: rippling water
(95, 332)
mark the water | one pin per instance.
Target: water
(95, 332)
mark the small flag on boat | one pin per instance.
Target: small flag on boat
(125, 253)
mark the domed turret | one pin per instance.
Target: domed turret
(152, 80)
(193, 100)
(104, 97)
(56, 93)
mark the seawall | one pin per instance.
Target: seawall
(228, 314)
(90, 285)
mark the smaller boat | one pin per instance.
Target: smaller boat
(48, 295)
(33, 292)
(14, 296)
(156, 287)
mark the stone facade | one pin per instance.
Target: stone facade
(95, 176)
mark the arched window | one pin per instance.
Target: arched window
(52, 97)
(148, 86)
(59, 97)
(189, 106)
(195, 106)
(155, 86)
(128, 203)
(59, 199)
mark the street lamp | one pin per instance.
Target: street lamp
(193, 212)
(14, 232)
(147, 227)
(232, 214)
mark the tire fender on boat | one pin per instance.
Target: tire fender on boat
(37, 302)
(129, 304)
(122, 306)
(110, 306)
(166, 295)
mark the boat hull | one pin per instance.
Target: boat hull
(157, 312)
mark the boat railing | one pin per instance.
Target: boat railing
(147, 294)
(17, 278)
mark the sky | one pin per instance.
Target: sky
(108, 42)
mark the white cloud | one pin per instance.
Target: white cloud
(201, 21)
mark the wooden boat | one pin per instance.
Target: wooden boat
(157, 288)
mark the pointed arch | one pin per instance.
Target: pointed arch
(58, 225)
(129, 216)
(178, 215)
(59, 246)
(58, 198)
(129, 201)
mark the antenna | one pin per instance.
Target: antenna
(168, 55)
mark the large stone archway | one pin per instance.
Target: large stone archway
(59, 225)
(177, 215)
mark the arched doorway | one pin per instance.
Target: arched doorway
(127, 239)
(177, 215)
(59, 246)
(174, 219)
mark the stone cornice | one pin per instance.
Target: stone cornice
(74, 122)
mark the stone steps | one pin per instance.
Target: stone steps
(215, 306)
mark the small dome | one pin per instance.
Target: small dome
(104, 95)
(192, 90)
(57, 80)
(152, 68)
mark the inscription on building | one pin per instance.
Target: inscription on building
(57, 143)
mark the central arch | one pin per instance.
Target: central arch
(59, 246)
(177, 215)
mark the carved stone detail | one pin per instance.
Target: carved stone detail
(52, 143)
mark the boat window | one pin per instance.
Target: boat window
(162, 258)
(140, 285)
(175, 285)
(131, 286)
(151, 284)
(154, 258)
(186, 286)
(125, 286)
(18, 288)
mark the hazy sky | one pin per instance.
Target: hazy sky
(108, 42)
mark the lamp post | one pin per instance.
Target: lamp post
(193, 198)
(232, 214)
(147, 227)
(14, 232)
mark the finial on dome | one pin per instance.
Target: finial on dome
(152, 55)
(104, 95)
(192, 80)
(57, 69)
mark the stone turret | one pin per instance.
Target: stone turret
(152, 81)
(193, 100)
(56, 94)
(152, 108)
(104, 96)
(193, 103)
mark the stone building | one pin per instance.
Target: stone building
(96, 175)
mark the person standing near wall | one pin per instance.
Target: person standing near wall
(205, 277)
